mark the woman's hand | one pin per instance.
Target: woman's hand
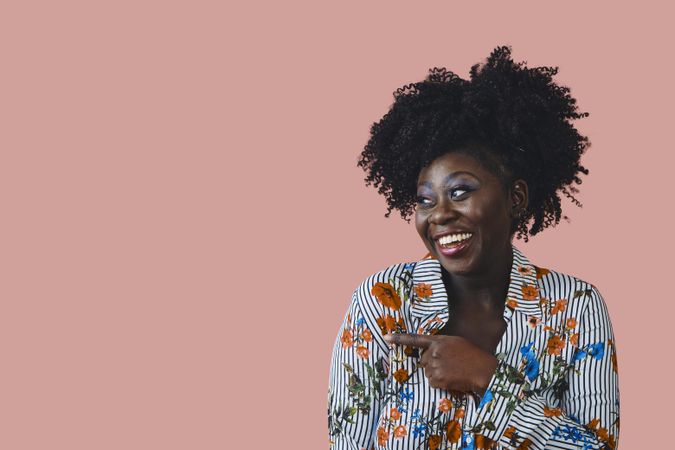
(451, 362)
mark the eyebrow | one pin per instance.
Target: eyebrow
(451, 176)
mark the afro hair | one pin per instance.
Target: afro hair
(521, 119)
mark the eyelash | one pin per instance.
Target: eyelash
(466, 190)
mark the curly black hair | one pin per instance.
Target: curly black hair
(520, 119)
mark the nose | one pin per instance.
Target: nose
(443, 213)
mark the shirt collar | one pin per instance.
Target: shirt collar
(523, 293)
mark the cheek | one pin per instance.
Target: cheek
(420, 223)
(490, 215)
(422, 226)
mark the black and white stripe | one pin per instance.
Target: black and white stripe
(592, 392)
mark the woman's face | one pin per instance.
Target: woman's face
(464, 214)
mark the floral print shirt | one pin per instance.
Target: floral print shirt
(556, 385)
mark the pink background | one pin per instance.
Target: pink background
(183, 221)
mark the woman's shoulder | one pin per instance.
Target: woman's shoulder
(389, 288)
(556, 285)
(383, 298)
(396, 275)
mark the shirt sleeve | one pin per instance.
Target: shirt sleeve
(357, 380)
(588, 412)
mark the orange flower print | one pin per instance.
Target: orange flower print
(571, 322)
(559, 306)
(613, 356)
(347, 339)
(533, 321)
(529, 292)
(395, 413)
(483, 443)
(435, 319)
(525, 445)
(362, 351)
(574, 339)
(509, 431)
(382, 436)
(434, 442)
(524, 270)
(552, 412)
(400, 431)
(366, 335)
(453, 431)
(512, 303)
(423, 290)
(444, 405)
(387, 295)
(602, 432)
(386, 323)
(401, 375)
(541, 272)
(555, 345)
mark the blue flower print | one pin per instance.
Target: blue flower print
(596, 350)
(406, 395)
(467, 441)
(419, 430)
(532, 369)
(526, 350)
(574, 434)
(578, 355)
(487, 398)
(360, 322)
(416, 414)
(532, 364)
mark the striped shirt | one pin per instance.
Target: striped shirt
(555, 387)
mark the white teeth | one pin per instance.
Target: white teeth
(449, 239)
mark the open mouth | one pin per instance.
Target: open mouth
(453, 240)
(453, 243)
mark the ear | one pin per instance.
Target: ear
(519, 198)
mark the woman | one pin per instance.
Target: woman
(474, 346)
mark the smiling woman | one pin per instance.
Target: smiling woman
(474, 346)
(481, 216)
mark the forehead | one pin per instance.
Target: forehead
(457, 161)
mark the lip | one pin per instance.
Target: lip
(455, 249)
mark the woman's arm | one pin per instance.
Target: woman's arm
(588, 417)
(357, 379)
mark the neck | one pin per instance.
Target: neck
(486, 289)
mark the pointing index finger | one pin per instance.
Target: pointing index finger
(413, 340)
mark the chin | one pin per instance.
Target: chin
(455, 267)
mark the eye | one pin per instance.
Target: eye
(423, 202)
(461, 189)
